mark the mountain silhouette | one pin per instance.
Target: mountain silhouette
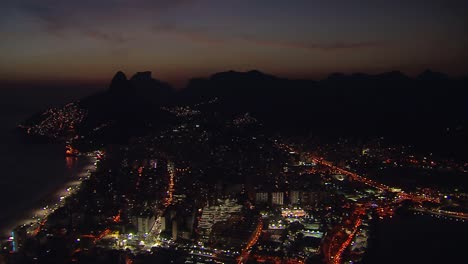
(119, 83)
(429, 75)
(390, 104)
(151, 90)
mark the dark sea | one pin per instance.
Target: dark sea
(414, 239)
(31, 174)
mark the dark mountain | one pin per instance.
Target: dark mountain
(393, 76)
(428, 108)
(150, 90)
(347, 95)
(429, 75)
(130, 106)
(119, 84)
(390, 104)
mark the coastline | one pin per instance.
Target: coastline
(406, 237)
(45, 204)
(34, 170)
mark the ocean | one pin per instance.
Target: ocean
(31, 174)
(409, 238)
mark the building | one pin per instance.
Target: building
(277, 198)
(293, 212)
(309, 198)
(143, 224)
(313, 198)
(295, 197)
(174, 230)
(261, 197)
(215, 214)
(162, 221)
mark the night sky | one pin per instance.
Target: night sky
(179, 39)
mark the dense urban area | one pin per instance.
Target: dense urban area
(204, 131)
(209, 190)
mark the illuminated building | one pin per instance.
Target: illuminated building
(214, 214)
(162, 220)
(143, 224)
(70, 151)
(294, 212)
(174, 230)
(295, 197)
(277, 198)
(261, 197)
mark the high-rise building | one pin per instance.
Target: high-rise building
(144, 223)
(261, 197)
(174, 230)
(277, 198)
(162, 221)
(215, 214)
(295, 197)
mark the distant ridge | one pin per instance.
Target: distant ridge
(360, 104)
(119, 83)
(429, 75)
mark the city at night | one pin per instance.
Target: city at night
(202, 131)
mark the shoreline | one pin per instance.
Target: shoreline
(53, 200)
(392, 240)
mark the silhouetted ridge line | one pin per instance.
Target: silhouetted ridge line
(429, 75)
(119, 83)
(357, 104)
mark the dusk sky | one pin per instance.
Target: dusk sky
(89, 41)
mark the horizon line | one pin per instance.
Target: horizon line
(95, 81)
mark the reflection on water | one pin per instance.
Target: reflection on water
(52, 184)
(70, 162)
(30, 173)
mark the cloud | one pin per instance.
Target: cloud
(115, 20)
(99, 20)
(204, 36)
(100, 35)
(192, 34)
(334, 46)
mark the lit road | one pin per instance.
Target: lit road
(339, 254)
(380, 186)
(156, 228)
(338, 240)
(170, 188)
(438, 212)
(244, 257)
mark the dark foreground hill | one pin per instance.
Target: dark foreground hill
(429, 110)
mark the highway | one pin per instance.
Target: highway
(244, 257)
(379, 186)
(437, 212)
(338, 239)
(156, 228)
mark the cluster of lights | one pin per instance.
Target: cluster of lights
(244, 120)
(58, 120)
(294, 212)
(181, 111)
